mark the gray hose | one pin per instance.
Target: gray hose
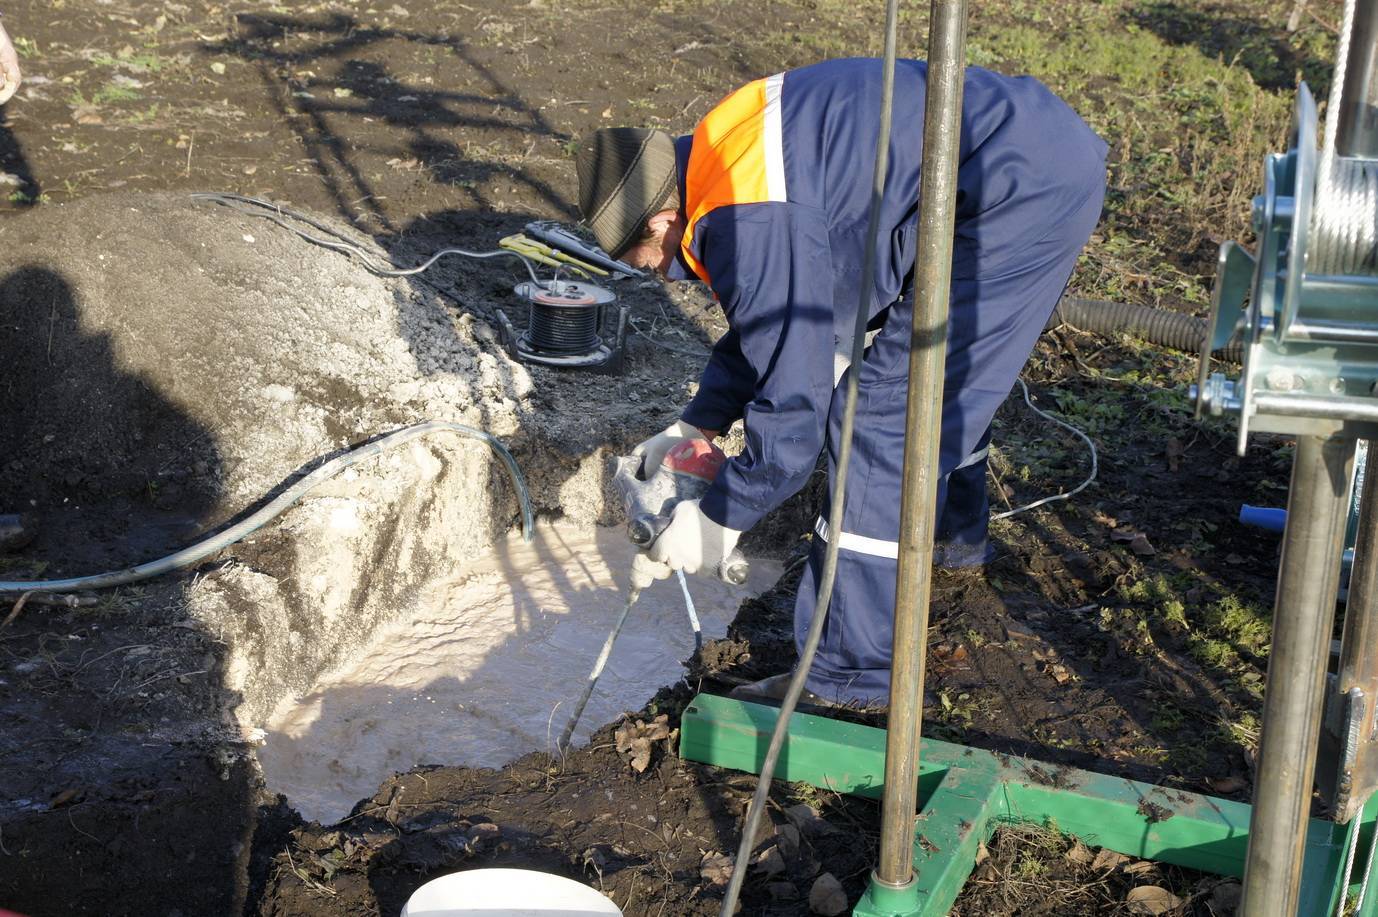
(208, 546)
(1157, 326)
(828, 575)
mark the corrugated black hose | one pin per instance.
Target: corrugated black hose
(1157, 326)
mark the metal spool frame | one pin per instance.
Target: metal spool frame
(568, 327)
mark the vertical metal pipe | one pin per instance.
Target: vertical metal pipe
(1303, 617)
(1357, 133)
(923, 421)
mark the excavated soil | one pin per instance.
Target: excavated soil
(1124, 631)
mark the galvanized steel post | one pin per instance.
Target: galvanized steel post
(1303, 617)
(927, 356)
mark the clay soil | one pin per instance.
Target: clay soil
(1123, 632)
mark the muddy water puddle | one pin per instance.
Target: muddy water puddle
(489, 670)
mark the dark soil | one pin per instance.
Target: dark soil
(436, 124)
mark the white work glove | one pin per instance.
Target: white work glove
(693, 542)
(9, 68)
(646, 571)
(652, 451)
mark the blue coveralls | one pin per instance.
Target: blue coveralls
(784, 261)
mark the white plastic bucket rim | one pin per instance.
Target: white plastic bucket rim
(507, 893)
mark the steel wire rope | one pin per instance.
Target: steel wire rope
(1368, 870)
(279, 504)
(276, 213)
(1352, 846)
(829, 573)
(1343, 226)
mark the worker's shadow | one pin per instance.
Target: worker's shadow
(19, 188)
(114, 472)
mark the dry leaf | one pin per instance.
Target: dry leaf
(635, 738)
(1140, 867)
(65, 797)
(1107, 859)
(827, 897)
(1151, 899)
(1079, 854)
(770, 861)
(982, 854)
(1140, 546)
(716, 868)
(1230, 784)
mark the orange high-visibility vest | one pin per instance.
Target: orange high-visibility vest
(737, 158)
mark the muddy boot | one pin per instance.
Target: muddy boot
(770, 692)
(15, 532)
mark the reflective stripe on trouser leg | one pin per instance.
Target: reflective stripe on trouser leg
(994, 323)
(964, 523)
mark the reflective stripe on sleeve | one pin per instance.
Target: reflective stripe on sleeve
(772, 139)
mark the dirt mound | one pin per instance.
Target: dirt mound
(174, 358)
(179, 349)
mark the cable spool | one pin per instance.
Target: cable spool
(1344, 221)
(564, 317)
(564, 327)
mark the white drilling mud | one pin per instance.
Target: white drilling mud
(489, 669)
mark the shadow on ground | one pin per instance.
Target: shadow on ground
(101, 708)
(1246, 36)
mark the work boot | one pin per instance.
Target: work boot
(770, 692)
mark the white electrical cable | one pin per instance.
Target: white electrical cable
(258, 207)
(1095, 461)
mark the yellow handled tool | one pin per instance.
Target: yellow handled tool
(538, 251)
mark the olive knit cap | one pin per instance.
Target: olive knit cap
(626, 174)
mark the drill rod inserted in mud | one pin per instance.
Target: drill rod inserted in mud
(1303, 618)
(923, 420)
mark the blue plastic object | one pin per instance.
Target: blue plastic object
(1263, 517)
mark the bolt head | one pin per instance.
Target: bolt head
(1281, 379)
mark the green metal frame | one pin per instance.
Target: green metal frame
(966, 793)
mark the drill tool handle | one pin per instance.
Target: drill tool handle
(734, 570)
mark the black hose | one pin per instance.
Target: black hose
(1164, 327)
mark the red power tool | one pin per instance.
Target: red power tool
(684, 474)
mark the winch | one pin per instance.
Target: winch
(570, 324)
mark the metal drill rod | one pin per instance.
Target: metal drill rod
(1303, 616)
(633, 594)
(923, 421)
